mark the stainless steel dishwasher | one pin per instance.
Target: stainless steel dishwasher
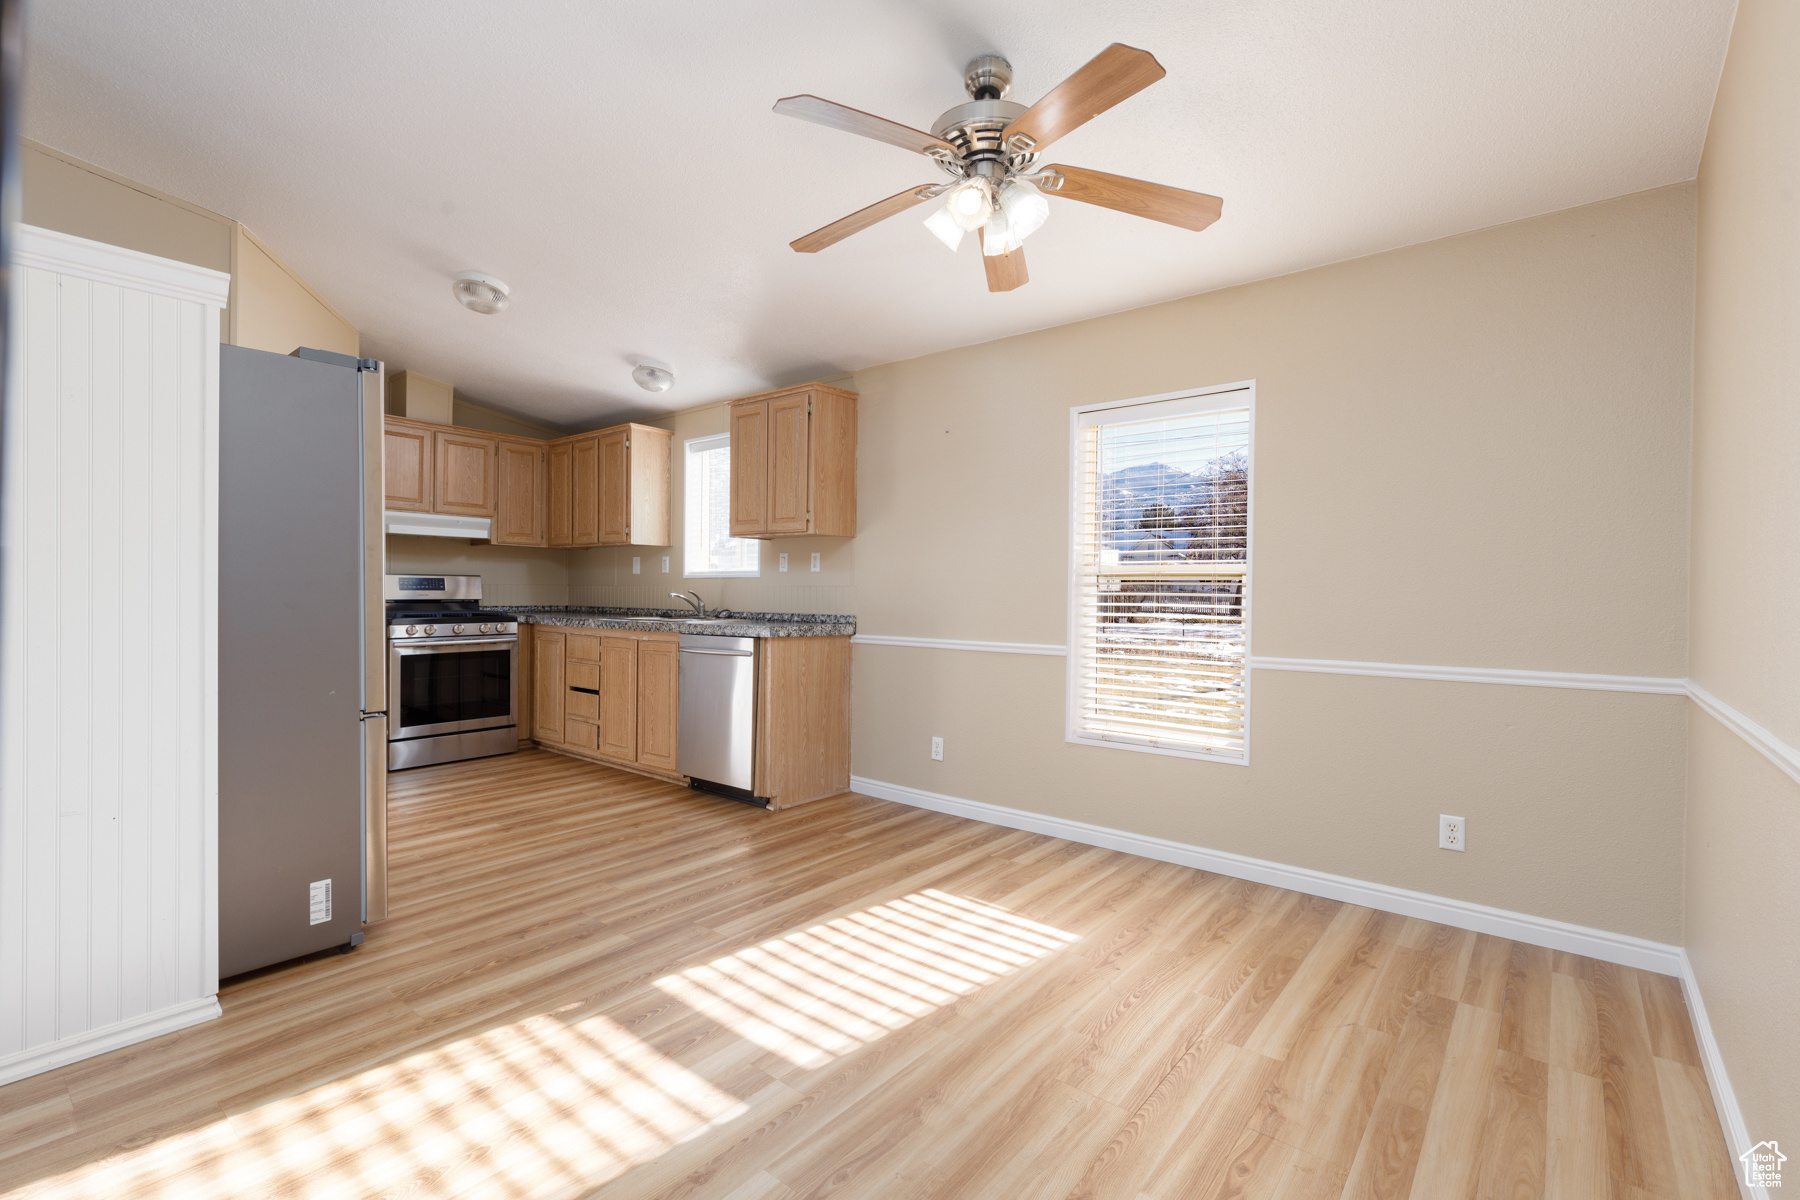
(717, 743)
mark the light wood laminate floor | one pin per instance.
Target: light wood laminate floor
(597, 984)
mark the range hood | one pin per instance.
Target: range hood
(437, 525)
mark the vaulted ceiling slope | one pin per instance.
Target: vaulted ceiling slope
(619, 165)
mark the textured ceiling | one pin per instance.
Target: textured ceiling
(618, 164)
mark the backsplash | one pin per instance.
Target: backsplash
(751, 595)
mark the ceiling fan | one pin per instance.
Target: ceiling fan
(990, 147)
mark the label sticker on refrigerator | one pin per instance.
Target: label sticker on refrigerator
(321, 901)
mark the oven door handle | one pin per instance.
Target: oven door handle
(445, 647)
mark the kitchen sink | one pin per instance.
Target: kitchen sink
(703, 621)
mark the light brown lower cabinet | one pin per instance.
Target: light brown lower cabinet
(549, 692)
(618, 696)
(615, 697)
(610, 695)
(527, 689)
(802, 719)
(658, 700)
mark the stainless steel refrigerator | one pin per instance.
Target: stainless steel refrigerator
(302, 655)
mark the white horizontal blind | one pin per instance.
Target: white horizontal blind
(709, 548)
(1162, 572)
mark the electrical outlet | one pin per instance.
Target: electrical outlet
(637, 565)
(815, 560)
(665, 564)
(937, 748)
(782, 566)
(1453, 833)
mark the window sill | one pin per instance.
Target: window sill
(1233, 760)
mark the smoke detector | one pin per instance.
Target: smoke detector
(653, 378)
(480, 293)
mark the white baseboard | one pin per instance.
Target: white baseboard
(1731, 1117)
(1521, 927)
(39, 1059)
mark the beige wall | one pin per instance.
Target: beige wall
(270, 308)
(1470, 452)
(70, 196)
(509, 574)
(471, 415)
(1743, 814)
(273, 309)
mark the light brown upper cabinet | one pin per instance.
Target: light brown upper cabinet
(584, 491)
(605, 488)
(619, 486)
(519, 519)
(406, 461)
(558, 510)
(467, 482)
(793, 463)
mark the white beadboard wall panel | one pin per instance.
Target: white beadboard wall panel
(108, 705)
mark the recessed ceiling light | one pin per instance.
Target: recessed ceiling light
(481, 293)
(653, 378)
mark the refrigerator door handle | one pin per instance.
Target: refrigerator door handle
(375, 864)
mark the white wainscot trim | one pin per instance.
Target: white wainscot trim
(107, 1038)
(1521, 927)
(883, 639)
(1771, 747)
(66, 254)
(1731, 1117)
(1655, 685)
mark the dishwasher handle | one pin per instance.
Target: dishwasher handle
(723, 653)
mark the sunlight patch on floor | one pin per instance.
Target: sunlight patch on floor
(822, 992)
(537, 1109)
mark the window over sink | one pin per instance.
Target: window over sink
(708, 549)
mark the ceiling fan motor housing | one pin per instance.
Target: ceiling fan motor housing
(976, 130)
(988, 78)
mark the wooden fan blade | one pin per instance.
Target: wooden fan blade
(860, 220)
(854, 120)
(1172, 206)
(1004, 271)
(1116, 73)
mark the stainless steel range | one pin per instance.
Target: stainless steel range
(453, 672)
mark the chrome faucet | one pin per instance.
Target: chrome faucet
(693, 601)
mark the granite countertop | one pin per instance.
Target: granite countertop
(656, 620)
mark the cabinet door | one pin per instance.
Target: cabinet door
(466, 484)
(406, 462)
(557, 465)
(519, 520)
(615, 487)
(790, 465)
(658, 700)
(750, 469)
(547, 684)
(584, 492)
(618, 697)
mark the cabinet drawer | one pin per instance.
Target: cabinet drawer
(581, 734)
(585, 675)
(585, 705)
(584, 647)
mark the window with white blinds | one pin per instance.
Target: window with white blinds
(1160, 563)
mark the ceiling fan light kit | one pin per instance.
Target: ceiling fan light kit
(990, 148)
